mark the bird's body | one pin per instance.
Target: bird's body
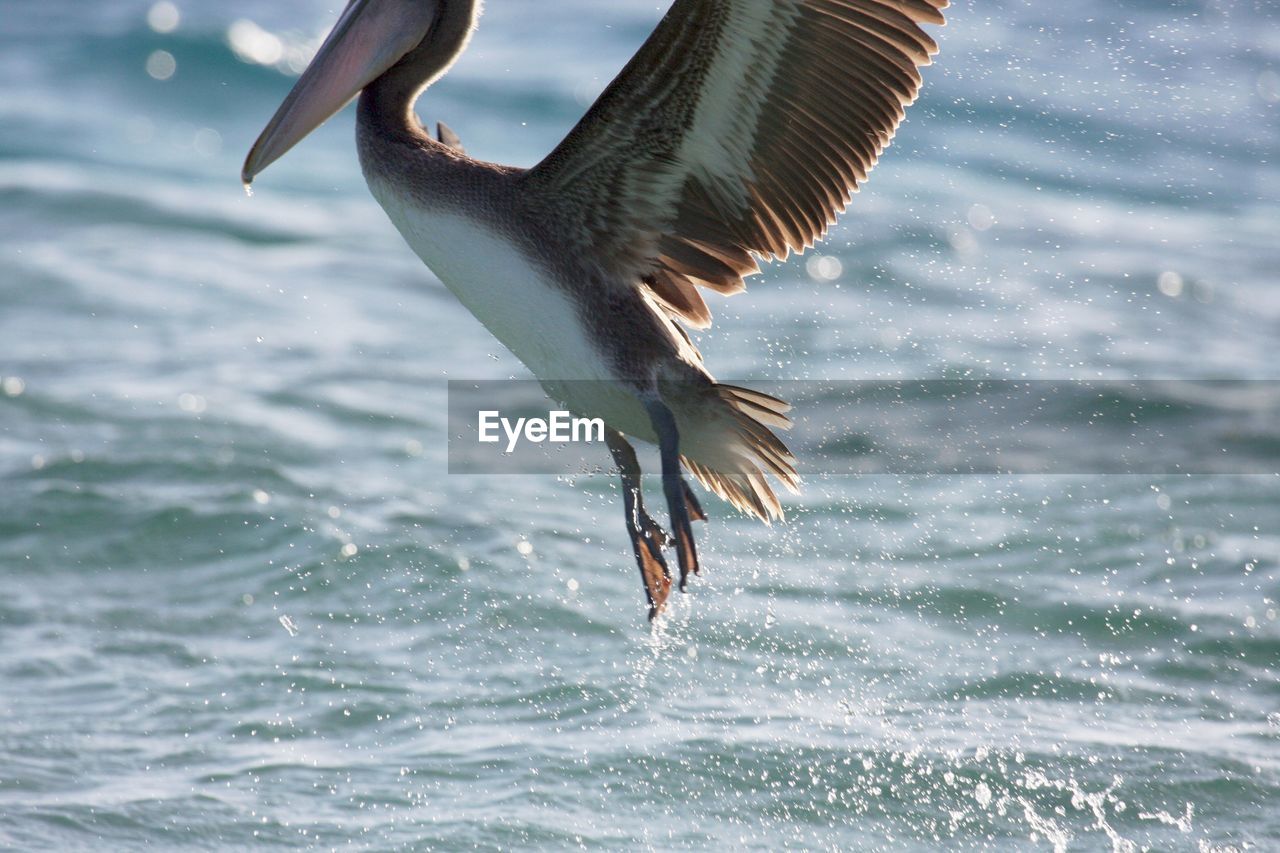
(719, 144)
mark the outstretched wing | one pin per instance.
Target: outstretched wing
(737, 133)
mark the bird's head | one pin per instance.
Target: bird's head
(369, 38)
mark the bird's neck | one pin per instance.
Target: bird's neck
(387, 102)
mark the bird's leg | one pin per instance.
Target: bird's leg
(624, 456)
(684, 508)
(647, 537)
(695, 509)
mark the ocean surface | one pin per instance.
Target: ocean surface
(245, 605)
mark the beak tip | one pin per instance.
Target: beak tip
(247, 175)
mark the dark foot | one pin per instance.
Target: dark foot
(653, 531)
(695, 508)
(683, 509)
(681, 523)
(648, 539)
(653, 568)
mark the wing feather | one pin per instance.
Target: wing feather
(737, 134)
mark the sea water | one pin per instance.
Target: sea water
(245, 605)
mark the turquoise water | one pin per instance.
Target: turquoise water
(245, 605)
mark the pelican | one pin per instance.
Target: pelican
(735, 136)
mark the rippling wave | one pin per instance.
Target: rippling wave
(246, 606)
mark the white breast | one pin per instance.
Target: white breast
(519, 305)
(506, 292)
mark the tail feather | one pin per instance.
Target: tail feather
(764, 408)
(748, 493)
(730, 457)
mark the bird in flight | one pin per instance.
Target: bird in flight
(735, 135)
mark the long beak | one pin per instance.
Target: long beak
(369, 38)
